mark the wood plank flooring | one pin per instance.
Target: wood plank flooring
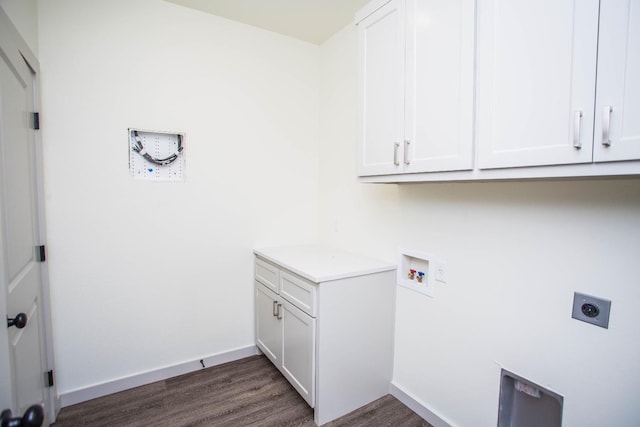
(246, 392)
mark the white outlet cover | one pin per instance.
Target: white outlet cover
(441, 271)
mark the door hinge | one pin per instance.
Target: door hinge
(36, 121)
(42, 256)
(50, 378)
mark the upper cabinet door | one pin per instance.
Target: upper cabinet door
(381, 79)
(617, 127)
(536, 81)
(439, 85)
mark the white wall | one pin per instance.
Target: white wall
(24, 15)
(516, 252)
(146, 275)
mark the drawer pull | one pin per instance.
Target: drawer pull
(275, 309)
(606, 126)
(396, 146)
(577, 119)
(279, 312)
(407, 161)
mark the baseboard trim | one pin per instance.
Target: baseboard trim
(56, 405)
(419, 408)
(110, 387)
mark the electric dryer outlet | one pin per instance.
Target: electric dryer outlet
(590, 309)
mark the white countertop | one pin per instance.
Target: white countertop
(320, 263)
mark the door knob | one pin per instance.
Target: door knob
(20, 321)
(32, 418)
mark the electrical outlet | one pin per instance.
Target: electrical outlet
(594, 310)
(441, 271)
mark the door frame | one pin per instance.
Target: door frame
(14, 47)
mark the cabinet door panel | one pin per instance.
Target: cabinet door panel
(299, 350)
(268, 327)
(617, 127)
(381, 62)
(536, 80)
(439, 88)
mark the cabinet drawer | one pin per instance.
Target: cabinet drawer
(267, 274)
(298, 292)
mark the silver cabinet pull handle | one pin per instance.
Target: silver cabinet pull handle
(275, 309)
(406, 152)
(396, 146)
(606, 126)
(576, 129)
(279, 311)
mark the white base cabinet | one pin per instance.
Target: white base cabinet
(284, 333)
(325, 318)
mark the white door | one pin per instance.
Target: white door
(536, 81)
(439, 97)
(299, 350)
(617, 127)
(381, 97)
(268, 326)
(23, 356)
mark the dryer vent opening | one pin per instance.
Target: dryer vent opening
(526, 404)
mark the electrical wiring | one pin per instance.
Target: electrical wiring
(138, 147)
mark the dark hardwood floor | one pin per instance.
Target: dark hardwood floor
(246, 392)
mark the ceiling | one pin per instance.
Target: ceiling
(313, 21)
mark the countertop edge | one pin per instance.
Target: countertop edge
(327, 278)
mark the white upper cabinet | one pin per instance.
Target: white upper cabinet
(381, 97)
(536, 81)
(498, 89)
(416, 86)
(617, 116)
(439, 85)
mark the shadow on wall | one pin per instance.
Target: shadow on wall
(611, 193)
